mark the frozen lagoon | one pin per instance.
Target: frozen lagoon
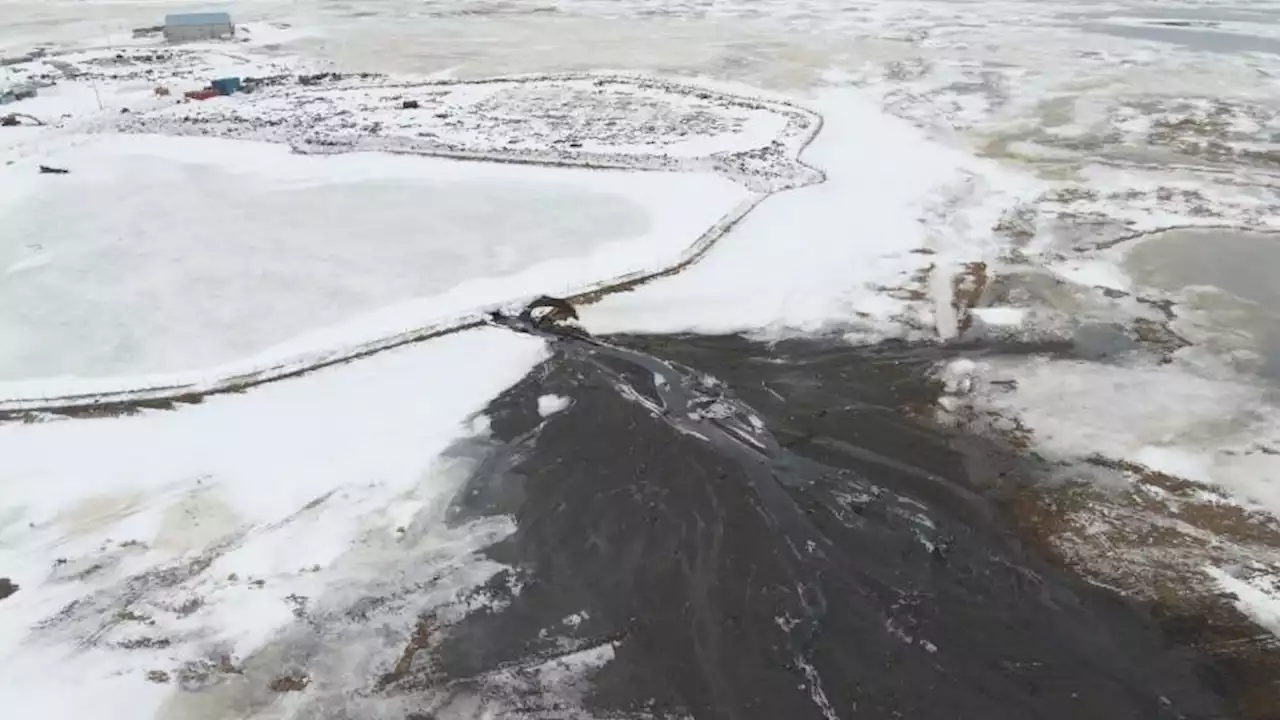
(161, 254)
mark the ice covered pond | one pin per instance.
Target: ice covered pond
(169, 254)
(1225, 279)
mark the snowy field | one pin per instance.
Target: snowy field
(169, 546)
(1100, 174)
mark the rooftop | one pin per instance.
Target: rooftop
(203, 18)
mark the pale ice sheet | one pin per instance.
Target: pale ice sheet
(209, 521)
(1223, 280)
(171, 254)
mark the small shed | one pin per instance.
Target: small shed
(227, 85)
(194, 27)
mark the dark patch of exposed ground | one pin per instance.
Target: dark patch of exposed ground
(1151, 535)
(785, 539)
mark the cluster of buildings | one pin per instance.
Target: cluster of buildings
(177, 28)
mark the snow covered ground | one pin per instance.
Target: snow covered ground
(822, 257)
(174, 548)
(993, 170)
(594, 120)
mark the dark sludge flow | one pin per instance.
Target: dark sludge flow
(770, 536)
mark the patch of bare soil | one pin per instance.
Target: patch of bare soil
(1151, 536)
(967, 288)
(205, 672)
(290, 683)
(409, 670)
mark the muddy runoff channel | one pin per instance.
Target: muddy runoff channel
(771, 532)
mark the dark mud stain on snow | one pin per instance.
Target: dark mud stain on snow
(774, 535)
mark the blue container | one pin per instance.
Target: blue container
(227, 86)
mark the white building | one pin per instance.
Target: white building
(193, 27)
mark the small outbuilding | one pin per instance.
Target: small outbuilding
(227, 85)
(194, 27)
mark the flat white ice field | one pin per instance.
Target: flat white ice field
(164, 254)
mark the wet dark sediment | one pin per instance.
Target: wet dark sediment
(773, 535)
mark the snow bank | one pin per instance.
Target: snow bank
(174, 543)
(1259, 599)
(822, 255)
